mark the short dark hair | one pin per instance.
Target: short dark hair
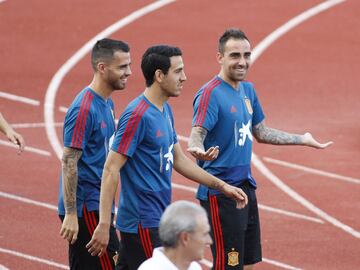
(157, 57)
(234, 33)
(104, 50)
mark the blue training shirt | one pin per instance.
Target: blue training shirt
(89, 125)
(228, 115)
(147, 137)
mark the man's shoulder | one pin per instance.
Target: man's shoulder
(209, 88)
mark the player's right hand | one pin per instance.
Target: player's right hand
(99, 240)
(70, 228)
(236, 194)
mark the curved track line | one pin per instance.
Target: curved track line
(70, 63)
(32, 258)
(261, 206)
(297, 197)
(257, 51)
(260, 48)
(53, 207)
(312, 170)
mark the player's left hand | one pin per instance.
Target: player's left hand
(309, 140)
(237, 194)
(99, 241)
(210, 154)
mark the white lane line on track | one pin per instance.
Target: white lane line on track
(71, 62)
(205, 262)
(2, 1)
(34, 125)
(27, 148)
(266, 42)
(56, 80)
(262, 207)
(19, 99)
(311, 170)
(32, 258)
(297, 197)
(63, 109)
(28, 201)
(258, 50)
(279, 264)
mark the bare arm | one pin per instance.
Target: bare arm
(264, 134)
(187, 168)
(196, 145)
(109, 183)
(70, 228)
(10, 133)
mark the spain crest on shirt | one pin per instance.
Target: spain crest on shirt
(248, 105)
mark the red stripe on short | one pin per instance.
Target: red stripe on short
(219, 240)
(144, 242)
(105, 258)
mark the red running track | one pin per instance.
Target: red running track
(306, 80)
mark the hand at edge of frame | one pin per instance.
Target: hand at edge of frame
(309, 140)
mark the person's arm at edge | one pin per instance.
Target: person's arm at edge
(264, 134)
(187, 168)
(70, 227)
(109, 183)
(10, 133)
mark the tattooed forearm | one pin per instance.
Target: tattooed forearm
(70, 159)
(264, 134)
(197, 137)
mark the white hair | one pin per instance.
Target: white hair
(180, 216)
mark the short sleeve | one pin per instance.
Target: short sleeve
(258, 114)
(78, 125)
(205, 109)
(171, 119)
(130, 131)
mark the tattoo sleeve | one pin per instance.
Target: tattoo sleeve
(264, 134)
(70, 159)
(197, 137)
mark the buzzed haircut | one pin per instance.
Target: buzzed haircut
(234, 33)
(157, 57)
(104, 49)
